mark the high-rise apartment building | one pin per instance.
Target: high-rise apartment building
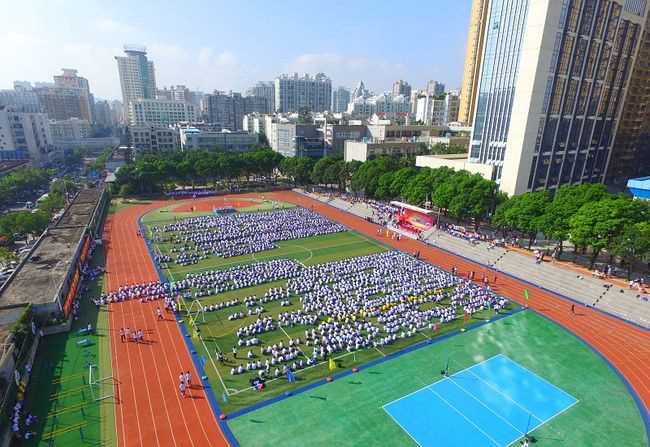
(384, 105)
(102, 114)
(62, 103)
(294, 93)
(225, 109)
(22, 98)
(70, 79)
(340, 99)
(360, 91)
(554, 76)
(117, 112)
(402, 88)
(137, 75)
(473, 55)
(175, 93)
(431, 110)
(159, 113)
(435, 88)
(25, 136)
(452, 105)
(264, 90)
(631, 149)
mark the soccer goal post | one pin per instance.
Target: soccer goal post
(101, 388)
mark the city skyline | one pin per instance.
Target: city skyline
(217, 54)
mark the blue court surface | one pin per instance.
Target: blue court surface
(493, 403)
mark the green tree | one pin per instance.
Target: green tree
(326, 171)
(7, 256)
(524, 213)
(567, 201)
(445, 149)
(383, 191)
(400, 179)
(72, 159)
(633, 244)
(599, 224)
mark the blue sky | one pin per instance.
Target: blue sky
(230, 45)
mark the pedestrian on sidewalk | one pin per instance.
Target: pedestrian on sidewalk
(573, 309)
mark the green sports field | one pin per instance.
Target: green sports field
(59, 394)
(218, 333)
(348, 411)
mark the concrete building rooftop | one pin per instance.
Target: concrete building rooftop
(90, 195)
(77, 214)
(39, 279)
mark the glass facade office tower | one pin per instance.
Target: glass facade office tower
(553, 77)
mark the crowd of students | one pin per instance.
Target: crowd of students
(238, 234)
(358, 303)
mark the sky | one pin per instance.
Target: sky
(230, 45)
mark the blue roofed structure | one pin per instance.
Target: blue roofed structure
(639, 187)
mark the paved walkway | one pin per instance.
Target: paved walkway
(575, 283)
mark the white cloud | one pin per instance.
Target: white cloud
(108, 25)
(202, 68)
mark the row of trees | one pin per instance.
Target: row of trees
(22, 183)
(159, 172)
(587, 216)
(18, 224)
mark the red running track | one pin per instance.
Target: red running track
(149, 409)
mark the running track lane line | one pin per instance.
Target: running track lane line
(128, 262)
(134, 351)
(140, 270)
(119, 365)
(146, 270)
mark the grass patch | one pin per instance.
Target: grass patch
(310, 251)
(59, 394)
(352, 406)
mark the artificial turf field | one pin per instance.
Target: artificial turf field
(349, 410)
(59, 393)
(217, 333)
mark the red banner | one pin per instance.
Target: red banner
(84, 250)
(414, 221)
(72, 291)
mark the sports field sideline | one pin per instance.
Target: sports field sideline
(358, 408)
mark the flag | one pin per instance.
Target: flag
(332, 365)
(290, 376)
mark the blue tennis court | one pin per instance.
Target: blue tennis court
(493, 403)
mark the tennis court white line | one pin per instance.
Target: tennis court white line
(427, 386)
(537, 375)
(532, 429)
(464, 417)
(403, 429)
(505, 395)
(477, 400)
